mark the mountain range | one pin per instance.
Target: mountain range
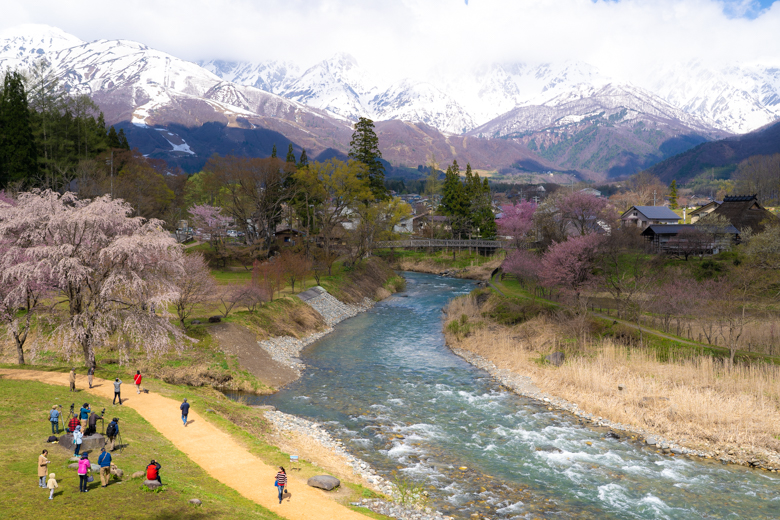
(516, 118)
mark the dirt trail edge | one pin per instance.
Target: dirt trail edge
(212, 449)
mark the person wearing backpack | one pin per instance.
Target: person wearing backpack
(112, 430)
(78, 438)
(137, 381)
(43, 466)
(84, 468)
(104, 461)
(54, 418)
(117, 395)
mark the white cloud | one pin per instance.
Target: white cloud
(417, 37)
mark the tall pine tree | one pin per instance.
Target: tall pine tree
(113, 139)
(304, 162)
(123, 144)
(18, 156)
(673, 194)
(364, 147)
(273, 152)
(290, 154)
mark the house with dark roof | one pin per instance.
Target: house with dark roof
(744, 212)
(643, 216)
(671, 238)
(703, 211)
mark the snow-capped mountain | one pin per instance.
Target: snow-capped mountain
(271, 76)
(738, 98)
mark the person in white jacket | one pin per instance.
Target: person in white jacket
(78, 437)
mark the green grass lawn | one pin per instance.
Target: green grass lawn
(442, 258)
(23, 409)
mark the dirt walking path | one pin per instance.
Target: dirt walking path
(212, 449)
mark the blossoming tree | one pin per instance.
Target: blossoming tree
(114, 273)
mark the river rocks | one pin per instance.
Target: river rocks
(325, 482)
(290, 423)
(194, 501)
(651, 440)
(152, 484)
(399, 511)
(556, 358)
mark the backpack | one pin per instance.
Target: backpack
(52, 438)
(111, 429)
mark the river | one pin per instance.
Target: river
(385, 383)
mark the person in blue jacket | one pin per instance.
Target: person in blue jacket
(185, 409)
(54, 417)
(104, 461)
(84, 416)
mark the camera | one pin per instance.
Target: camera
(102, 412)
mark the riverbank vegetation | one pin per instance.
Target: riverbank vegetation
(684, 346)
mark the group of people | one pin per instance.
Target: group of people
(84, 423)
(117, 382)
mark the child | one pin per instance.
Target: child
(52, 485)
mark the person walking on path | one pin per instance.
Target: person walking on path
(137, 381)
(153, 471)
(43, 466)
(185, 409)
(281, 482)
(52, 485)
(78, 438)
(117, 395)
(54, 418)
(105, 466)
(84, 416)
(84, 469)
(112, 430)
(72, 379)
(90, 373)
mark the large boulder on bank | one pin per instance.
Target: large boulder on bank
(89, 443)
(152, 484)
(325, 482)
(556, 358)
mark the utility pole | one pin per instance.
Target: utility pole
(653, 197)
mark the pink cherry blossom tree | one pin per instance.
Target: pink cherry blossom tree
(569, 264)
(517, 220)
(525, 266)
(214, 224)
(21, 289)
(114, 273)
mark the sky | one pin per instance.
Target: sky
(623, 38)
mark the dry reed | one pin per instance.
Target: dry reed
(698, 401)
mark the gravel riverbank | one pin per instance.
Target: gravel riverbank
(523, 385)
(287, 423)
(286, 349)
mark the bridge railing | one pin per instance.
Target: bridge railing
(422, 242)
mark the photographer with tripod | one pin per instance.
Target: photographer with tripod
(73, 421)
(112, 431)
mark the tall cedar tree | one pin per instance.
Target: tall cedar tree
(123, 144)
(673, 195)
(273, 152)
(304, 162)
(113, 139)
(18, 157)
(364, 148)
(290, 154)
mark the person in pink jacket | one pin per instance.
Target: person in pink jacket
(84, 469)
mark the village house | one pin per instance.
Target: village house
(704, 210)
(670, 238)
(643, 216)
(744, 212)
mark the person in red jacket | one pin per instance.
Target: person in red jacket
(72, 424)
(153, 471)
(137, 380)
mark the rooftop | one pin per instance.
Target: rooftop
(656, 212)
